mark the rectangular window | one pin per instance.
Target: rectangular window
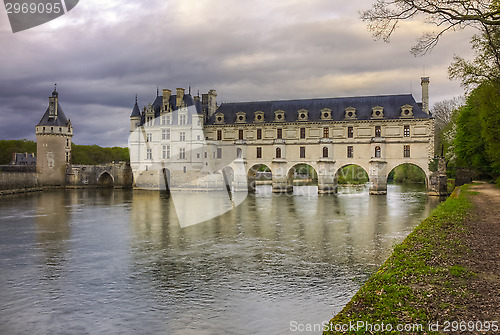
(163, 119)
(167, 119)
(182, 119)
(302, 132)
(350, 151)
(259, 152)
(406, 131)
(182, 153)
(279, 133)
(240, 134)
(166, 152)
(259, 134)
(378, 131)
(149, 154)
(326, 132)
(302, 152)
(182, 136)
(406, 151)
(350, 132)
(149, 137)
(219, 135)
(165, 134)
(219, 152)
(206, 154)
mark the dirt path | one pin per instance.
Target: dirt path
(484, 257)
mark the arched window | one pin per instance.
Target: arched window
(325, 152)
(238, 152)
(278, 152)
(377, 151)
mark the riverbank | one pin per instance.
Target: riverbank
(444, 277)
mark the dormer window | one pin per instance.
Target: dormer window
(326, 114)
(302, 115)
(241, 117)
(350, 113)
(377, 112)
(279, 116)
(259, 116)
(406, 111)
(219, 118)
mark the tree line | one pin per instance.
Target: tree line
(80, 154)
(468, 128)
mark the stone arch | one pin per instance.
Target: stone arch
(353, 174)
(105, 180)
(165, 180)
(302, 171)
(256, 174)
(425, 172)
(228, 176)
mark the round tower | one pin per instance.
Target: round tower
(53, 138)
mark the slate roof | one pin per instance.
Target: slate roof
(391, 103)
(59, 121)
(135, 111)
(157, 106)
(23, 159)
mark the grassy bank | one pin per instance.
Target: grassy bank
(421, 281)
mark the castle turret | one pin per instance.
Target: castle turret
(424, 81)
(53, 136)
(135, 117)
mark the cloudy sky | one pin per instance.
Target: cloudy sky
(102, 53)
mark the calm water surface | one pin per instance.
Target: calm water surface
(117, 262)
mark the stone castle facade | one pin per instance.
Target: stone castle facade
(184, 141)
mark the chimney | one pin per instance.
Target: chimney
(166, 97)
(424, 81)
(212, 102)
(180, 96)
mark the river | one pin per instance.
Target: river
(97, 261)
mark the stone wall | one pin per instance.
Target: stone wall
(17, 180)
(106, 175)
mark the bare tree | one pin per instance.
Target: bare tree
(384, 16)
(445, 130)
(443, 110)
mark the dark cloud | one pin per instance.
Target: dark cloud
(103, 53)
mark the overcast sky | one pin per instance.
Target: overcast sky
(102, 53)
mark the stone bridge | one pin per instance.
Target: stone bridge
(117, 175)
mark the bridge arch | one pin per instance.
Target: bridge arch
(165, 180)
(424, 177)
(228, 177)
(352, 174)
(301, 173)
(258, 172)
(105, 180)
